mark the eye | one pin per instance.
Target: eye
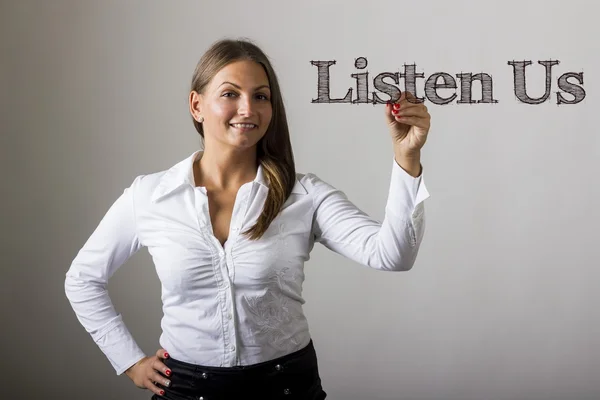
(228, 94)
(262, 97)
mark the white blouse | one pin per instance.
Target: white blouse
(240, 303)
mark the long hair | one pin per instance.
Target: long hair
(274, 149)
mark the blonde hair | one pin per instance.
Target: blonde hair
(274, 149)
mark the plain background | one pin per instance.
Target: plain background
(502, 301)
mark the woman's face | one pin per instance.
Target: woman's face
(236, 105)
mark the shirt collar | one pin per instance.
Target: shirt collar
(182, 174)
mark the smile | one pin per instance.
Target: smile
(243, 126)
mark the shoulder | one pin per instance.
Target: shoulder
(315, 185)
(158, 185)
(145, 186)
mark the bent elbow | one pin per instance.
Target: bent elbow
(78, 288)
(403, 266)
(402, 263)
(71, 286)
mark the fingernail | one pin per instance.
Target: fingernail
(166, 355)
(168, 372)
(162, 392)
(395, 111)
(396, 106)
(167, 383)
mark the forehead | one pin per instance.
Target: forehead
(244, 73)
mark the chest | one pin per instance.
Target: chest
(220, 208)
(186, 251)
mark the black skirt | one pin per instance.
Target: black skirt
(295, 376)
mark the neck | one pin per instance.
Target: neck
(221, 169)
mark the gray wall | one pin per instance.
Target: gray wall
(501, 303)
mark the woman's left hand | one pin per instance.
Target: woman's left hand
(409, 123)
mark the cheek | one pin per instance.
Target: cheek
(267, 114)
(222, 111)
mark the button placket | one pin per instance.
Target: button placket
(219, 261)
(228, 330)
(228, 312)
(239, 208)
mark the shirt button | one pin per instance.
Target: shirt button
(204, 375)
(232, 348)
(229, 316)
(287, 391)
(278, 367)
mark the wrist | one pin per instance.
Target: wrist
(130, 370)
(409, 162)
(401, 152)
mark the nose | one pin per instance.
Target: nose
(246, 106)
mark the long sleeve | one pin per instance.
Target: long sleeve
(392, 244)
(110, 245)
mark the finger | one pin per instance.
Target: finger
(158, 379)
(161, 367)
(411, 112)
(158, 365)
(414, 121)
(388, 113)
(407, 103)
(402, 104)
(162, 353)
(151, 386)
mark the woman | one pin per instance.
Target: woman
(229, 229)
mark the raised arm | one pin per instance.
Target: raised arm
(392, 244)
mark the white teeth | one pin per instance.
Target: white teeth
(243, 125)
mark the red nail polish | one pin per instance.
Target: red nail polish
(396, 106)
(166, 355)
(395, 111)
(162, 392)
(168, 372)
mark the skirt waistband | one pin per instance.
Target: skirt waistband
(306, 355)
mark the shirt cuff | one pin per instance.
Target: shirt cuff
(120, 348)
(406, 191)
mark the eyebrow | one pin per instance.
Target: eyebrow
(239, 87)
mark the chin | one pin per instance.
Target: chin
(245, 140)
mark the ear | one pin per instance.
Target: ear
(195, 104)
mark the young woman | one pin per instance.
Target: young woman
(229, 229)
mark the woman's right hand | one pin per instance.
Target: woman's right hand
(147, 372)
